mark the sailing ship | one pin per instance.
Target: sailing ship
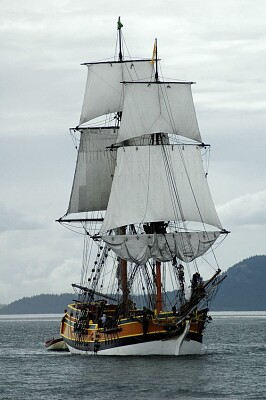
(141, 197)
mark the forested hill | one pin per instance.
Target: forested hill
(40, 304)
(244, 289)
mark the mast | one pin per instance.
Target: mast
(123, 228)
(159, 301)
(120, 59)
(124, 284)
(119, 26)
(156, 61)
(156, 138)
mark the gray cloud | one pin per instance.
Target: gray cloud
(249, 209)
(11, 220)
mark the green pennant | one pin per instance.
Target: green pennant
(119, 24)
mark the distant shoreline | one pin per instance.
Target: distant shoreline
(223, 314)
(243, 291)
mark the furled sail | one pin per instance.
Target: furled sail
(94, 170)
(159, 183)
(186, 246)
(104, 91)
(158, 107)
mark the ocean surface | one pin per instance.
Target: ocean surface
(232, 365)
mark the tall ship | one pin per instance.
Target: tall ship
(140, 198)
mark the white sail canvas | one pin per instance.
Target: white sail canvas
(185, 246)
(159, 183)
(94, 171)
(158, 108)
(104, 92)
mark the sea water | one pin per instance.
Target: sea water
(232, 365)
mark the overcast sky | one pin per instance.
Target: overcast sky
(219, 44)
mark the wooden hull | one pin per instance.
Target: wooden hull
(169, 347)
(136, 335)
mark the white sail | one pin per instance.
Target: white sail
(158, 107)
(94, 171)
(104, 91)
(159, 183)
(186, 246)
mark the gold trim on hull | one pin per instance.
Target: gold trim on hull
(128, 331)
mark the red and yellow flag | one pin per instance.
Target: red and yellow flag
(154, 52)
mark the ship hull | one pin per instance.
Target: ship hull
(148, 347)
(172, 347)
(133, 337)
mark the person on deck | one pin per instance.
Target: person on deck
(103, 319)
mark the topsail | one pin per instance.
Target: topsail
(104, 93)
(158, 107)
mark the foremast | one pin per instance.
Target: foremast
(157, 140)
(96, 160)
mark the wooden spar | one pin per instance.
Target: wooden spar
(85, 289)
(157, 140)
(156, 62)
(124, 277)
(79, 219)
(124, 284)
(159, 301)
(120, 59)
(119, 26)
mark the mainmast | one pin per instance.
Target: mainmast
(124, 283)
(123, 228)
(156, 141)
(156, 61)
(159, 300)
